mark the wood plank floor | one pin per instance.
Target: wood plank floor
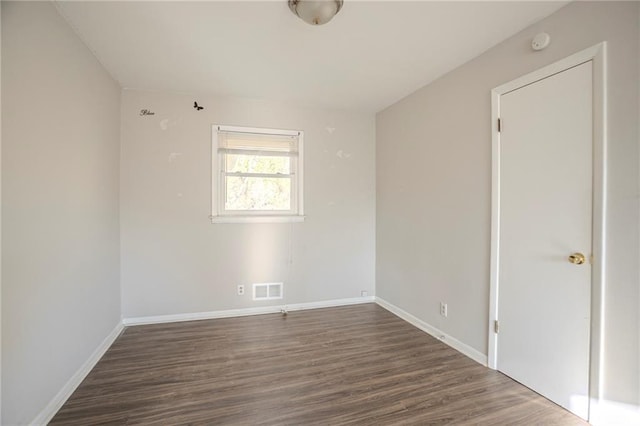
(338, 366)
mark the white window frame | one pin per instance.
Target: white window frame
(218, 212)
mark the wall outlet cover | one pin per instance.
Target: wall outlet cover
(443, 309)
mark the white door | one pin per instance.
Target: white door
(544, 291)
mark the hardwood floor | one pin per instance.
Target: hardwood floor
(338, 366)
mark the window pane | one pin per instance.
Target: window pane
(252, 193)
(257, 164)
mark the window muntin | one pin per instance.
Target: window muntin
(256, 172)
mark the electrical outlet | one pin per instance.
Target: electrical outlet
(443, 309)
(240, 290)
(364, 293)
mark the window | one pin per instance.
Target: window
(256, 175)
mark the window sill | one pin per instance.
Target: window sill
(257, 219)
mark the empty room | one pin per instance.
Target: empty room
(320, 212)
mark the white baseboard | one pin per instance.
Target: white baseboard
(159, 319)
(61, 397)
(463, 348)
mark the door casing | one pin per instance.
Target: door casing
(596, 54)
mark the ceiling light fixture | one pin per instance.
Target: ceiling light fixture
(315, 12)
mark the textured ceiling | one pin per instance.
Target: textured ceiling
(371, 55)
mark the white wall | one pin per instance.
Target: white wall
(434, 185)
(60, 265)
(175, 261)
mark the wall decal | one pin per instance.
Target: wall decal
(197, 107)
(146, 112)
(343, 155)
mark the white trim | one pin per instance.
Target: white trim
(578, 58)
(61, 397)
(300, 171)
(492, 348)
(596, 54)
(456, 344)
(229, 313)
(257, 219)
(215, 173)
(598, 280)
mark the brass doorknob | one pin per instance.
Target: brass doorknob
(577, 258)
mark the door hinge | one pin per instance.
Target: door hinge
(496, 327)
(499, 125)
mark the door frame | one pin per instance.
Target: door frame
(597, 55)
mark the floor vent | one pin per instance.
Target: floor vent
(267, 291)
